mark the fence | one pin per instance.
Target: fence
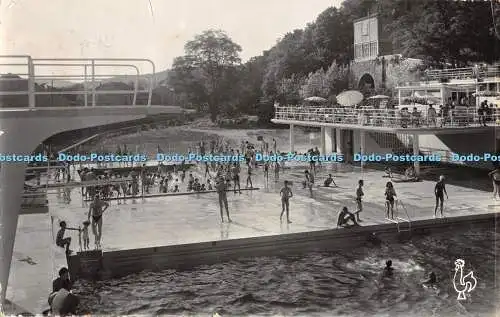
(390, 118)
(57, 82)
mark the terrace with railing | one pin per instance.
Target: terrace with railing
(67, 82)
(477, 72)
(389, 118)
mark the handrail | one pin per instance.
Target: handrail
(399, 219)
(391, 118)
(83, 77)
(146, 60)
(463, 73)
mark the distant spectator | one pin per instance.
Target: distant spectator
(431, 116)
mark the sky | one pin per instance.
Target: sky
(130, 28)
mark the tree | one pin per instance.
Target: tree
(214, 53)
(288, 90)
(316, 84)
(333, 37)
(337, 77)
(442, 32)
(209, 65)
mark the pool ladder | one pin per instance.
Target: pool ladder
(399, 220)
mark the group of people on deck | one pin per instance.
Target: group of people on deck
(346, 218)
(62, 301)
(94, 219)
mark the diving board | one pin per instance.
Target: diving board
(86, 183)
(170, 194)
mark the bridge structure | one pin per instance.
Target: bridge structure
(42, 97)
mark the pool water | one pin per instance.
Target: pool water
(347, 283)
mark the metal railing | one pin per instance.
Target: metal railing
(464, 73)
(84, 83)
(390, 118)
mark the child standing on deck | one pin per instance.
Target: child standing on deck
(85, 235)
(359, 198)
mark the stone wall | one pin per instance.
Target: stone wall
(386, 71)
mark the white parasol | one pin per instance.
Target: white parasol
(316, 99)
(349, 98)
(379, 97)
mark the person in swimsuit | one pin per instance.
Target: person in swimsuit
(221, 191)
(276, 171)
(495, 175)
(266, 171)
(329, 181)
(344, 217)
(359, 198)
(390, 194)
(286, 194)
(388, 270)
(236, 178)
(85, 233)
(439, 192)
(431, 279)
(249, 177)
(61, 241)
(97, 208)
(309, 182)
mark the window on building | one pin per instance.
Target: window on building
(358, 51)
(373, 49)
(366, 50)
(365, 28)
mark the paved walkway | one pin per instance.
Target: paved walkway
(195, 218)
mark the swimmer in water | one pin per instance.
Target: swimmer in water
(388, 270)
(431, 279)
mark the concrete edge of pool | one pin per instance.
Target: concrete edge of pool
(105, 265)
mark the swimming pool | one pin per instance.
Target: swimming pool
(320, 284)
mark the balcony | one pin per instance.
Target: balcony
(388, 118)
(463, 73)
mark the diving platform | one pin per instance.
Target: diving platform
(171, 194)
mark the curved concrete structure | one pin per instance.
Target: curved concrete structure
(24, 128)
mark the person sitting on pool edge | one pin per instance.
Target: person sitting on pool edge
(63, 281)
(61, 241)
(410, 174)
(388, 172)
(344, 217)
(329, 181)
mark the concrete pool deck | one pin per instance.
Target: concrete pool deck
(195, 218)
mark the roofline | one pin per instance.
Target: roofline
(374, 15)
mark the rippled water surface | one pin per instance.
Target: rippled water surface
(327, 284)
